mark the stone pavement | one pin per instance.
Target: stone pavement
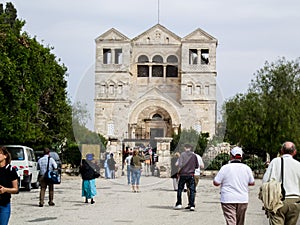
(117, 205)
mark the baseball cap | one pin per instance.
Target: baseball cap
(236, 151)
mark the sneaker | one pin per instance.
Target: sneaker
(188, 207)
(51, 203)
(192, 208)
(41, 205)
(178, 207)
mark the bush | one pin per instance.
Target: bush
(255, 163)
(220, 160)
(72, 155)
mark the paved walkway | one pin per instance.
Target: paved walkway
(117, 205)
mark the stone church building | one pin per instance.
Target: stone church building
(154, 84)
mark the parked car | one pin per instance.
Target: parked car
(24, 161)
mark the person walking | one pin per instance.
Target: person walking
(148, 163)
(106, 167)
(128, 167)
(196, 176)
(112, 166)
(136, 166)
(174, 170)
(8, 185)
(43, 163)
(288, 214)
(88, 181)
(187, 164)
(234, 178)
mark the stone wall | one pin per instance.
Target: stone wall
(164, 157)
(212, 151)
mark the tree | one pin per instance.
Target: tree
(35, 109)
(244, 122)
(80, 135)
(269, 113)
(83, 135)
(191, 136)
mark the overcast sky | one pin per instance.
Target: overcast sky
(249, 32)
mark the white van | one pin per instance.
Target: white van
(23, 159)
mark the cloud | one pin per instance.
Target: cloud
(249, 32)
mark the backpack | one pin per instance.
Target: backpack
(131, 161)
(271, 195)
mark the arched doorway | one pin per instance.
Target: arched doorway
(152, 121)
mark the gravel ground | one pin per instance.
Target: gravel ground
(116, 204)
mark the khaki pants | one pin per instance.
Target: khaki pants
(44, 185)
(288, 214)
(234, 213)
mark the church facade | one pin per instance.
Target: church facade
(154, 84)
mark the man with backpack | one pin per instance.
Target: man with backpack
(288, 213)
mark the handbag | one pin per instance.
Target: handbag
(272, 194)
(52, 177)
(96, 174)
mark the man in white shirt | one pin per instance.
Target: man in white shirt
(234, 178)
(128, 166)
(43, 163)
(288, 214)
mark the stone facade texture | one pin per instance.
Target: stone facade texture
(154, 84)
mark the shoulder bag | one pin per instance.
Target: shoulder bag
(272, 194)
(52, 177)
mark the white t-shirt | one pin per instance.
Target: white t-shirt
(200, 162)
(234, 179)
(128, 159)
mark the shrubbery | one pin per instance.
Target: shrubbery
(254, 162)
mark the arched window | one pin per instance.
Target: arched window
(120, 89)
(110, 129)
(198, 89)
(143, 70)
(198, 127)
(172, 70)
(157, 59)
(172, 59)
(156, 116)
(102, 89)
(111, 89)
(190, 89)
(143, 59)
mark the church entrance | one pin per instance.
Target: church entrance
(155, 132)
(152, 122)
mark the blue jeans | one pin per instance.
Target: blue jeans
(190, 183)
(128, 173)
(4, 214)
(135, 176)
(107, 173)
